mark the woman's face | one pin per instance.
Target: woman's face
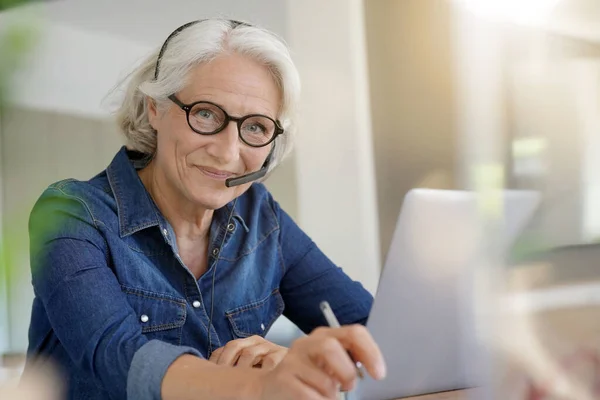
(196, 165)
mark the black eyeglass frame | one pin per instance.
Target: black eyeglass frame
(228, 118)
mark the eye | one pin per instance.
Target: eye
(204, 113)
(255, 128)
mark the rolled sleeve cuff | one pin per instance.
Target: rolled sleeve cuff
(149, 366)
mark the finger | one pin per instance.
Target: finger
(250, 356)
(362, 347)
(273, 359)
(214, 357)
(332, 358)
(232, 350)
(343, 387)
(359, 342)
(317, 380)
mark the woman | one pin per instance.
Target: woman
(159, 277)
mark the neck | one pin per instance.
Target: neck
(187, 219)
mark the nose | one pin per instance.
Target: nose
(225, 146)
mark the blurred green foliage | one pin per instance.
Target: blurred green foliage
(18, 34)
(6, 4)
(17, 39)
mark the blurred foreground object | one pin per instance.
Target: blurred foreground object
(550, 335)
(43, 384)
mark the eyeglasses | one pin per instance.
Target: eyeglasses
(206, 118)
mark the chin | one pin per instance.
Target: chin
(212, 202)
(212, 198)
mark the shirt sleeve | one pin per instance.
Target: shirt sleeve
(311, 277)
(84, 303)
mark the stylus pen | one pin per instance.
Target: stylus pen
(333, 323)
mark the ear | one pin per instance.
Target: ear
(152, 112)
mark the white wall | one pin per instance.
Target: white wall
(149, 22)
(411, 81)
(72, 70)
(334, 159)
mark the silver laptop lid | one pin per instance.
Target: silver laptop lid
(421, 317)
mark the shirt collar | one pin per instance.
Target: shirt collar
(135, 207)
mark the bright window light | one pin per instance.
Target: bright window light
(526, 12)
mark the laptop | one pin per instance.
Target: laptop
(422, 316)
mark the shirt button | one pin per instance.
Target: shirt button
(215, 251)
(196, 304)
(144, 318)
(231, 227)
(165, 232)
(262, 327)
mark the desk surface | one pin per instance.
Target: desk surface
(453, 395)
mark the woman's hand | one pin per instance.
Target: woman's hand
(254, 351)
(314, 368)
(318, 365)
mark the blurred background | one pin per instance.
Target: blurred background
(397, 94)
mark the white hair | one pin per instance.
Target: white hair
(196, 44)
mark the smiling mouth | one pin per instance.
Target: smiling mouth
(216, 174)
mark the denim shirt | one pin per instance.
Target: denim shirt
(115, 305)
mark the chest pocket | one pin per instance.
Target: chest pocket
(257, 317)
(160, 316)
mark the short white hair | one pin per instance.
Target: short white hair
(196, 44)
